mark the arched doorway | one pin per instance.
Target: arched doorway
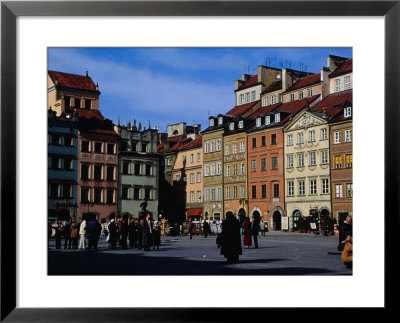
(277, 218)
(295, 215)
(257, 216)
(242, 215)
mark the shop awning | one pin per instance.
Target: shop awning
(194, 212)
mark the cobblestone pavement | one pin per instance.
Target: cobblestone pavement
(278, 254)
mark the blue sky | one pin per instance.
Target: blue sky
(170, 85)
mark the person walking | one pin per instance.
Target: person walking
(74, 235)
(132, 233)
(156, 235)
(206, 229)
(147, 232)
(345, 229)
(247, 232)
(112, 229)
(230, 239)
(91, 233)
(59, 232)
(190, 228)
(96, 236)
(67, 235)
(255, 227)
(82, 234)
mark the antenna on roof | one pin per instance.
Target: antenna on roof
(87, 74)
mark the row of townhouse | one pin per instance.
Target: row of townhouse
(95, 168)
(284, 151)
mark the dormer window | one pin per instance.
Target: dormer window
(347, 112)
(231, 126)
(267, 120)
(277, 117)
(273, 99)
(211, 122)
(265, 101)
(241, 98)
(258, 122)
(241, 124)
(220, 120)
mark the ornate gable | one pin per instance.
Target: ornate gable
(305, 120)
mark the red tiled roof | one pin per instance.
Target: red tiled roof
(86, 113)
(333, 102)
(263, 110)
(345, 67)
(240, 109)
(294, 105)
(274, 86)
(194, 143)
(306, 81)
(73, 81)
(177, 144)
(250, 82)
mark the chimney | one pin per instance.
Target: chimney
(324, 74)
(334, 61)
(286, 79)
(87, 74)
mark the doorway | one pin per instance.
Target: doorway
(277, 218)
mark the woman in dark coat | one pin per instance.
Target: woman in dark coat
(74, 234)
(345, 229)
(247, 232)
(156, 235)
(230, 239)
(113, 232)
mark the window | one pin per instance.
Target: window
(198, 177)
(338, 161)
(324, 157)
(265, 101)
(192, 178)
(219, 193)
(274, 162)
(191, 158)
(192, 197)
(280, 98)
(137, 168)
(55, 139)
(349, 190)
(300, 138)
(337, 137)
(133, 146)
(97, 147)
(212, 169)
(110, 196)
(97, 172)
(228, 171)
(247, 97)
(291, 97)
(211, 122)
(68, 141)
(337, 85)
(55, 162)
(97, 195)
(234, 148)
(241, 98)
(313, 159)
(84, 195)
(88, 104)
(253, 191)
(313, 187)
(68, 163)
(241, 146)
(258, 122)
(290, 161)
(263, 141)
(273, 99)
(349, 160)
(228, 193)
(213, 194)
(234, 170)
(253, 165)
(290, 140)
(311, 135)
(300, 160)
(254, 142)
(85, 146)
(300, 95)
(67, 100)
(302, 188)
(219, 168)
(276, 190)
(220, 120)
(231, 126)
(263, 164)
(264, 191)
(212, 146)
(84, 171)
(147, 193)
(253, 95)
(136, 193)
(206, 170)
(309, 92)
(241, 191)
(207, 194)
(227, 149)
(290, 188)
(110, 173)
(347, 82)
(169, 162)
(325, 186)
(125, 193)
(347, 135)
(206, 147)
(218, 147)
(347, 112)
(267, 120)
(339, 190)
(235, 192)
(198, 196)
(324, 134)
(67, 191)
(77, 103)
(110, 149)
(273, 139)
(241, 169)
(277, 117)
(199, 156)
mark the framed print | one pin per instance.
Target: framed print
(30, 28)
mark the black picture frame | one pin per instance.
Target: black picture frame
(10, 10)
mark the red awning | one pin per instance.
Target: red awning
(194, 212)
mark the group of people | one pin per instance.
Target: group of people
(142, 234)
